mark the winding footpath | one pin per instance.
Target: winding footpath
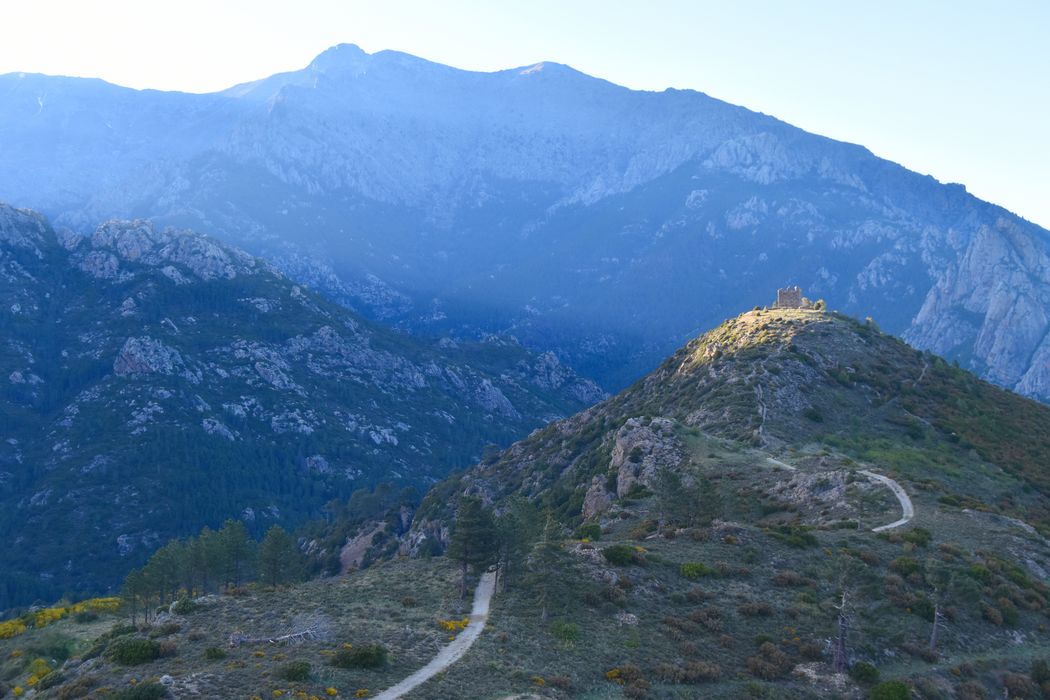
(907, 508)
(452, 652)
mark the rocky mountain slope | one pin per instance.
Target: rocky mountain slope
(607, 224)
(726, 506)
(789, 382)
(730, 526)
(155, 380)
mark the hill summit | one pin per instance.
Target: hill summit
(801, 381)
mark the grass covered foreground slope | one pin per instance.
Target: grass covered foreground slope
(712, 528)
(154, 381)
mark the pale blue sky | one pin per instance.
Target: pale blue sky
(956, 89)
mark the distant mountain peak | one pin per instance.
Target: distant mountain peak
(340, 56)
(535, 68)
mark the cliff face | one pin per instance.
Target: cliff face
(605, 224)
(990, 305)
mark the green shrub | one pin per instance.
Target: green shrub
(567, 632)
(366, 656)
(755, 609)
(50, 680)
(294, 671)
(1040, 671)
(183, 606)
(700, 671)
(865, 673)
(142, 691)
(981, 572)
(905, 566)
(589, 531)
(693, 570)
(165, 630)
(795, 535)
(813, 414)
(215, 654)
(890, 690)
(918, 536)
(621, 555)
(85, 616)
(769, 663)
(119, 630)
(79, 688)
(131, 651)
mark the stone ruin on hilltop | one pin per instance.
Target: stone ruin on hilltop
(791, 298)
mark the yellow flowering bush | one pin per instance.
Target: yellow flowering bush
(11, 628)
(39, 668)
(43, 618)
(46, 616)
(362, 693)
(454, 626)
(331, 692)
(18, 691)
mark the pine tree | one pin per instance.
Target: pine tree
(473, 543)
(518, 528)
(132, 593)
(236, 548)
(279, 560)
(547, 567)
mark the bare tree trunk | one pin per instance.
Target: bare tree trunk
(936, 626)
(838, 661)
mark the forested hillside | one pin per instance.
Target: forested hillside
(155, 381)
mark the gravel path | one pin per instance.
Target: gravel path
(906, 505)
(782, 465)
(456, 648)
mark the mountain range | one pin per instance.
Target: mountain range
(156, 380)
(603, 224)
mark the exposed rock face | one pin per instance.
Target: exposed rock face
(493, 400)
(641, 449)
(597, 500)
(548, 372)
(995, 299)
(147, 356)
(353, 553)
(141, 241)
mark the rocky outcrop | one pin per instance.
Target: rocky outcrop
(642, 447)
(493, 400)
(995, 300)
(145, 355)
(142, 242)
(598, 498)
(548, 372)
